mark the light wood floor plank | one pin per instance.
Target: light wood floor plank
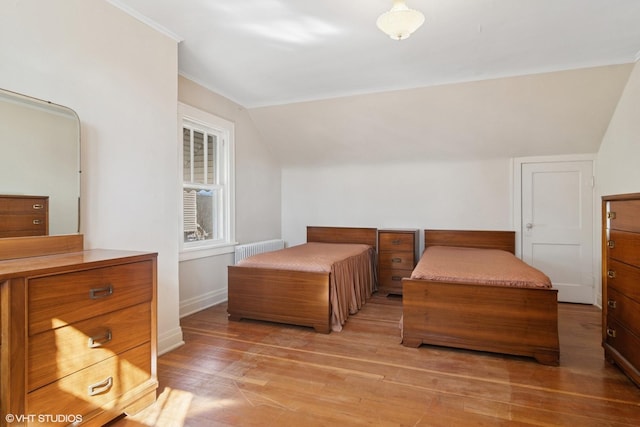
(253, 373)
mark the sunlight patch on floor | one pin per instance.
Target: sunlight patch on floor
(173, 407)
(169, 410)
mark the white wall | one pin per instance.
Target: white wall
(257, 170)
(203, 282)
(464, 195)
(618, 169)
(617, 164)
(120, 76)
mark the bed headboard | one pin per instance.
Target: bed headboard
(504, 240)
(367, 236)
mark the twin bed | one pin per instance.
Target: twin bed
(473, 293)
(317, 284)
(498, 304)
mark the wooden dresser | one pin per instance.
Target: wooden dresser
(621, 282)
(397, 256)
(24, 216)
(78, 333)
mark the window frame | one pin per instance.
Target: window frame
(188, 115)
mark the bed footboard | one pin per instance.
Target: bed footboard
(510, 320)
(293, 297)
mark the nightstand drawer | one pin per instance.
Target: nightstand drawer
(57, 353)
(62, 299)
(390, 241)
(393, 278)
(94, 387)
(396, 260)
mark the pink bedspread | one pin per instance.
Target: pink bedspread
(351, 268)
(481, 266)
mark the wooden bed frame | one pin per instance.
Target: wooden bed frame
(510, 320)
(293, 297)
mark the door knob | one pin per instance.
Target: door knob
(529, 226)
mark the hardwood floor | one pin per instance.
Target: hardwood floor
(253, 373)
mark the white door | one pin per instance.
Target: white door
(557, 225)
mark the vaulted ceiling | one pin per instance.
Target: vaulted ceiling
(481, 78)
(543, 114)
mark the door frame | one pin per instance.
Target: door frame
(517, 164)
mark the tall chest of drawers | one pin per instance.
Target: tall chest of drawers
(397, 254)
(621, 282)
(78, 336)
(24, 216)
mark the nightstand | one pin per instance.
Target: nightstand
(397, 256)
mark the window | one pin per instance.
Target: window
(207, 184)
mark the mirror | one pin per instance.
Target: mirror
(39, 156)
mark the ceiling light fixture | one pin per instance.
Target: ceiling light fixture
(400, 21)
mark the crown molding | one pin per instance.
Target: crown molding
(145, 20)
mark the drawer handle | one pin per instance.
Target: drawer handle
(100, 340)
(611, 215)
(38, 206)
(611, 274)
(612, 303)
(611, 332)
(396, 278)
(97, 293)
(100, 387)
(396, 260)
(37, 221)
(611, 244)
(396, 242)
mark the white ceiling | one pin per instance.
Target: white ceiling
(269, 52)
(324, 86)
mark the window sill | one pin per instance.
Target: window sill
(209, 251)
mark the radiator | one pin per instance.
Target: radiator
(249, 249)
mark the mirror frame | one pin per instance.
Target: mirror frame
(62, 222)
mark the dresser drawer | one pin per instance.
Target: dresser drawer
(626, 214)
(396, 242)
(97, 386)
(62, 299)
(57, 353)
(623, 310)
(21, 205)
(624, 278)
(32, 224)
(623, 340)
(396, 260)
(624, 246)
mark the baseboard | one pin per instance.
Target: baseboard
(195, 304)
(170, 340)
